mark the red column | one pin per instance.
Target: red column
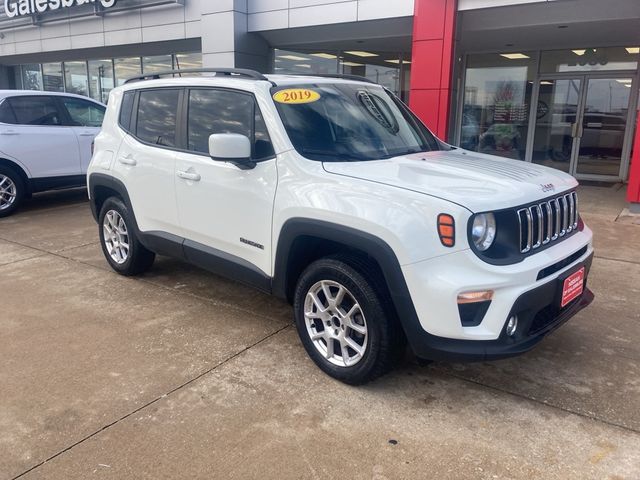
(432, 62)
(633, 191)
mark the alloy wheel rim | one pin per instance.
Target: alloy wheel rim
(7, 192)
(116, 237)
(335, 323)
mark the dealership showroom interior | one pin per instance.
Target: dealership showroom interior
(178, 371)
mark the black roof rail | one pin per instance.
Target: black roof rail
(344, 76)
(230, 72)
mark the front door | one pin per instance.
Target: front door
(222, 207)
(581, 125)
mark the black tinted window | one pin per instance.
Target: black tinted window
(6, 113)
(157, 113)
(219, 111)
(84, 113)
(36, 111)
(126, 109)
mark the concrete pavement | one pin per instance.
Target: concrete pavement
(181, 374)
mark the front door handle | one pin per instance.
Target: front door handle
(128, 160)
(193, 176)
(9, 132)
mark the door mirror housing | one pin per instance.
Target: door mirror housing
(233, 148)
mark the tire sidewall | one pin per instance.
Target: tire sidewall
(20, 190)
(371, 308)
(119, 206)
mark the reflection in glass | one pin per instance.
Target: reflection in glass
(76, 78)
(158, 63)
(31, 77)
(126, 68)
(604, 126)
(84, 113)
(497, 96)
(555, 119)
(589, 59)
(306, 63)
(183, 61)
(52, 77)
(157, 113)
(100, 79)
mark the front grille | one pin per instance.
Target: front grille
(548, 221)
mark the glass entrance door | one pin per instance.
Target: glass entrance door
(581, 125)
(603, 127)
(554, 140)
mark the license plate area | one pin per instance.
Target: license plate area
(572, 286)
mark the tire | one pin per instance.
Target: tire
(12, 191)
(119, 242)
(376, 339)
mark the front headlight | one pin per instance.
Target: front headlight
(483, 231)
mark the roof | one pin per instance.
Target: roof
(21, 93)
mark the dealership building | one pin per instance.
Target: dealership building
(554, 82)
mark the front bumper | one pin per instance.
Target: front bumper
(538, 315)
(529, 290)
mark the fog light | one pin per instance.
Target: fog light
(512, 325)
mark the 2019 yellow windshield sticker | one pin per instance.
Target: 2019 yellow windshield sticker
(296, 96)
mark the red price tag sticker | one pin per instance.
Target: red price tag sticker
(296, 96)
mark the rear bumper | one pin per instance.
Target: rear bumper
(538, 315)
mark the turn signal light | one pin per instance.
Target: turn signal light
(474, 297)
(447, 229)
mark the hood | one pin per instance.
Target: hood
(473, 180)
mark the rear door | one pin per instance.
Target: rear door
(34, 134)
(146, 159)
(85, 117)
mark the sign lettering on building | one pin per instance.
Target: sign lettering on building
(21, 8)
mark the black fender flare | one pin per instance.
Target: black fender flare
(367, 243)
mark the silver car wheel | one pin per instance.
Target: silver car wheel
(7, 192)
(116, 237)
(335, 323)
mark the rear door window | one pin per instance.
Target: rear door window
(36, 110)
(83, 113)
(6, 113)
(156, 116)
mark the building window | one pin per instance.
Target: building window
(100, 79)
(389, 69)
(183, 61)
(31, 77)
(126, 68)
(159, 63)
(589, 59)
(497, 97)
(52, 78)
(76, 78)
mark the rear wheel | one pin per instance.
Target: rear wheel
(120, 245)
(12, 190)
(345, 320)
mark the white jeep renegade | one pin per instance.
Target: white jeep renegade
(330, 193)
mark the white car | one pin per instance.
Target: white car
(45, 142)
(330, 193)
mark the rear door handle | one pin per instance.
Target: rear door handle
(128, 160)
(87, 134)
(193, 176)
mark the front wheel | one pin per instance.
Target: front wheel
(345, 320)
(120, 244)
(12, 191)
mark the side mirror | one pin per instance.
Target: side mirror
(231, 147)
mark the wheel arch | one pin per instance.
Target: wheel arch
(103, 186)
(16, 167)
(302, 241)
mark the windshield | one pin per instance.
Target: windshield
(349, 122)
